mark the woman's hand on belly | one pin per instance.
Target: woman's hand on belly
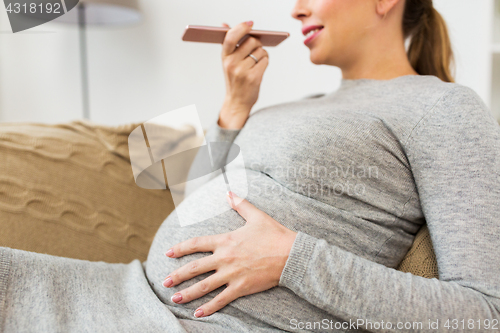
(247, 260)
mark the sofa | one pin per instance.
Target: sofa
(68, 190)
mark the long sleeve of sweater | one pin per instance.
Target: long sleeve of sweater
(218, 156)
(454, 154)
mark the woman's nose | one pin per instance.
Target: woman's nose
(301, 9)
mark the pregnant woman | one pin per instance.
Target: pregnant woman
(338, 187)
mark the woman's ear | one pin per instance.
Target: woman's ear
(385, 6)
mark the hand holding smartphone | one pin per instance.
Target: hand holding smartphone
(244, 62)
(206, 34)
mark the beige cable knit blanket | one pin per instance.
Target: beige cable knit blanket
(68, 190)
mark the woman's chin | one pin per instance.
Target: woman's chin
(316, 59)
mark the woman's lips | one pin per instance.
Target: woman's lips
(310, 38)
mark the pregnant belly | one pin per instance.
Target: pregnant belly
(276, 306)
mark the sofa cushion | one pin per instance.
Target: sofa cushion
(420, 259)
(68, 190)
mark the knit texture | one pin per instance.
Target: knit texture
(421, 259)
(68, 190)
(356, 173)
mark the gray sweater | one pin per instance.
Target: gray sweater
(356, 173)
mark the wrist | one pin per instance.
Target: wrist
(287, 239)
(232, 123)
(233, 117)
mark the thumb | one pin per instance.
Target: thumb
(242, 206)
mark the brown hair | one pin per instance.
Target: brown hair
(430, 50)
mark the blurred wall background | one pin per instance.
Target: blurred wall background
(141, 71)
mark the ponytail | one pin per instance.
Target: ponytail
(430, 50)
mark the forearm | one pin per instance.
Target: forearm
(354, 288)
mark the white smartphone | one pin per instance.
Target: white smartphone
(205, 34)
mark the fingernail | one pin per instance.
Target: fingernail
(250, 23)
(230, 194)
(198, 313)
(170, 253)
(168, 282)
(176, 298)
